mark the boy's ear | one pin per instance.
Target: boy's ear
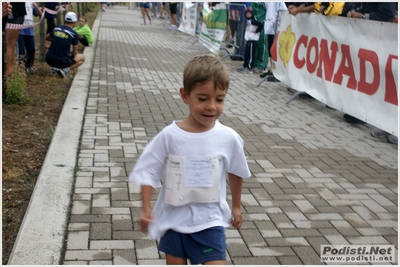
(184, 95)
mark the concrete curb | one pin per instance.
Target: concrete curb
(41, 236)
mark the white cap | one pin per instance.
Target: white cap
(71, 17)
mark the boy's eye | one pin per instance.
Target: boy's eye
(202, 99)
(220, 100)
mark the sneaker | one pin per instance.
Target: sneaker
(63, 73)
(150, 21)
(392, 139)
(241, 69)
(256, 70)
(144, 23)
(29, 70)
(53, 71)
(378, 134)
(354, 120)
(245, 70)
(263, 75)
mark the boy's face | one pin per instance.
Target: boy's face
(82, 21)
(205, 105)
(248, 15)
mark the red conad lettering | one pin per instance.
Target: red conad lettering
(346, 69)
(363, 86)
(390, 85)
(326, 60)
(296, 61)
(313, 44)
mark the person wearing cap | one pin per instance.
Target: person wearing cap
(60, 55)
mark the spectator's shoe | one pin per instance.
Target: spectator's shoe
(256, 70)
(354, 120)
(144, 22)
(245, 70)
(230, 44)
(150, 21)
(392, 139)
(63, 73)
(241, 69)
(376, 133)
(272, 79)
(263, 75)
(29, 70)
(53, 71)
(305, 96)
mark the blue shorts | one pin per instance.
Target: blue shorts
(200, 247)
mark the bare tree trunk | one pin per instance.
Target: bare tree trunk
(42, 34)
(79, 9)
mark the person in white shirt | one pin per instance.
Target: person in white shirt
(270, 27)
(192, 159)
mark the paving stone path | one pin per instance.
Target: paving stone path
(315, 178)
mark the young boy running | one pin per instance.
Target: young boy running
(192, 158)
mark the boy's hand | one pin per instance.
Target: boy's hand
(145, 219)
(237, 218)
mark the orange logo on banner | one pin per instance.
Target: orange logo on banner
(286, 42)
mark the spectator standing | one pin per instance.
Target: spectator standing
(204, 153)
(251, 36)
(270, 27)
(145, 8)
(379, 11)
(26, 39)
(103, 6)
(173, 10)
(84, 32)
(154, 6)
(62, 38)
(16, 16)
(163, 10)
(261, 58)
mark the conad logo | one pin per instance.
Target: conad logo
(286, 41)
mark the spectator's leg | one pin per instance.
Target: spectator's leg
(79, 60)
(30, 51)
(11, 39)
(84, 40)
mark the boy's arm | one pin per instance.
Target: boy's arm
(145, 218)
(236, 184)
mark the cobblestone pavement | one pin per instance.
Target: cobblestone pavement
(315, 178)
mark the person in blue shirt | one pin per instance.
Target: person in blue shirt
(26, 38)
(63, 37)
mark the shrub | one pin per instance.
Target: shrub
(16, 86)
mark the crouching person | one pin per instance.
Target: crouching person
(63, 51)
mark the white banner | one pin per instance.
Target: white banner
(213, 26)
(189, 18)
(348, 64)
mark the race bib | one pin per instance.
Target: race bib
(192, 179)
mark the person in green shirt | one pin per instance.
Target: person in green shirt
(84, 32)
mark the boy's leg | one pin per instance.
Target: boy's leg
(84, 41)
(172, 260)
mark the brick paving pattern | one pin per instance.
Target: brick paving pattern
(315, 178)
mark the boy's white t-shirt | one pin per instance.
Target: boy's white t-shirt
(220, 141)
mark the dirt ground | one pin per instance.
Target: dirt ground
(27, 131)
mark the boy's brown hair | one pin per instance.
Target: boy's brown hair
(204, 68)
